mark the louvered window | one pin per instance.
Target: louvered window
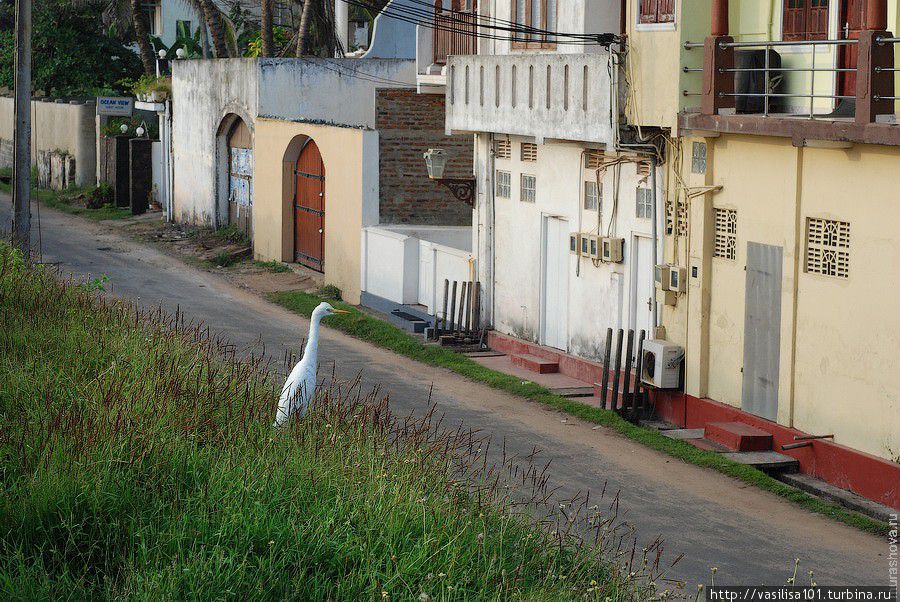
(592, 193)
(529, 151)
(698, 158)
(657, 11)
(528, 193)
(828, 247)
(805, 20)
(502, 149)
(644, 204)
(726, 234)
(504, 184)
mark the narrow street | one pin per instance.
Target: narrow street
(750, 536)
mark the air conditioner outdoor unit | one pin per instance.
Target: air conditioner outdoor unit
(611, 249)
(661, 364)
(677, 277)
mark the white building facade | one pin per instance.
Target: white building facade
(554, 181)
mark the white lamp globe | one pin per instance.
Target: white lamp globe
(123, 128)
(162, 53)
(140, 131)
(180, 53)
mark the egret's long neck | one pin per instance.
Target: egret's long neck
(312, 341)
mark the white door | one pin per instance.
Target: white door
(642, 286)
(555, 306)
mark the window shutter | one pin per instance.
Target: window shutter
(794, 20)
(666, 11)
(817, 20)
(648, 11)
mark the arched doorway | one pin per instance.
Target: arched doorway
(309, 207)
(240, 177)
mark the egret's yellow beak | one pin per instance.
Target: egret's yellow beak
(339, 311)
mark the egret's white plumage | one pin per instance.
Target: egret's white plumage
(300, 385)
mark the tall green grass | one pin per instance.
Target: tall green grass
(138, 461)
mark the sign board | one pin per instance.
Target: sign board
(115, 106)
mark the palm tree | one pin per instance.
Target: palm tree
(213, 17)
(268, 44)
(303, 32)
(122, 15)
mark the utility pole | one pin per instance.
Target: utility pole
(21, 192)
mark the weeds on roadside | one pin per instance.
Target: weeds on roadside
(137, 461)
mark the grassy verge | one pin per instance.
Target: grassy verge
(138, 461)
(62, 201)
(383, 334)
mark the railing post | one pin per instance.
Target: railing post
(872, 82)
(717, 81)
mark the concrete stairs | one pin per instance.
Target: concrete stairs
(535, 363)
(738, 436)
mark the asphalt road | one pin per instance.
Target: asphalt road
(750, 536)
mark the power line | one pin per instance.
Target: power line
(523, 33)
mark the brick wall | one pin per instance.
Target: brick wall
(409, 124)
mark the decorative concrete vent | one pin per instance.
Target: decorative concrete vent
(726, 234)
(593, 160)
(828, 247)
(529, 151)
(643, 170)
(698, 158)
(503, 149)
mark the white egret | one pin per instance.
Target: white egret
(300, 385)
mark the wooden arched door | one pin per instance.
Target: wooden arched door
(309, 208)
(240, 177)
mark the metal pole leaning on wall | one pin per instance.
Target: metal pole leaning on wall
(604, 384)
(614, 405)
(626, 386)
(452, 310)
(638, 404)
(21, 192)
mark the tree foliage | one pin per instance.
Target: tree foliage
(74, 54)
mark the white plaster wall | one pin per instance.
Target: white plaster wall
(65, 126)
(204, 92)
(543, 95)
(394, 38)
(173, 11)
(329, 91)
(599, 297)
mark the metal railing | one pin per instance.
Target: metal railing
(454, 33)
(774, 75)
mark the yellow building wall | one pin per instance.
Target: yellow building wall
(273, 225)
(839, 342)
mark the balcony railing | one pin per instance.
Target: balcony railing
(849, 79)
(454, 32)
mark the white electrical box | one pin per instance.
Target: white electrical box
(677, 279)
(593, 246)
(611, 249)
(662, 277)
(573, 243)
(585, 242)
(661, 364)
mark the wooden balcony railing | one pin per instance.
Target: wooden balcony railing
(455, 33)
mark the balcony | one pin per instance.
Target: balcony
(544, 96)
(831, 92)
(451, 33)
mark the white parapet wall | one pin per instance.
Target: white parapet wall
(543, 95)
(64, 127)
(408, 264)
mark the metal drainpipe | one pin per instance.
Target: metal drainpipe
(656, 245)
(492, 220)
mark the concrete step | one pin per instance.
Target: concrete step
(535, 363)
(738, 436)
(768, 461)
(407, 321)
(574, 391)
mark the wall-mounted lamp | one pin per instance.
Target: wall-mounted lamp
(462, 188)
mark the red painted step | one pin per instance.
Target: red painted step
(739, 436)
(535, 363)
